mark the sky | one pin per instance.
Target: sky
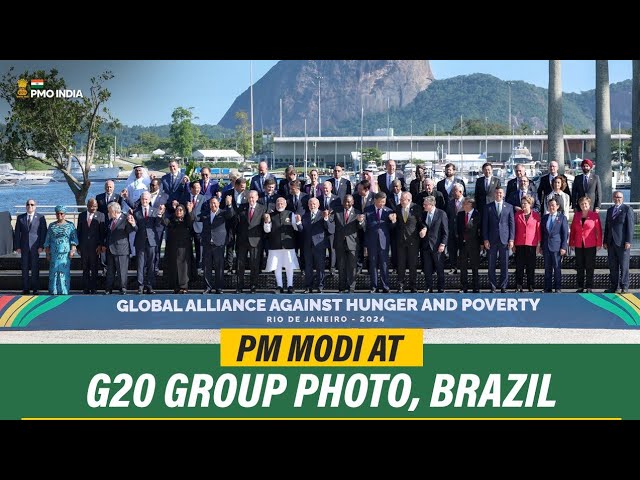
(145, 92)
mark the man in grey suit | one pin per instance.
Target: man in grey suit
(91, 237)
(345, 241)
(31, 230)
(435, 235)
(214, 223)
(498, 233)
(197, 201)
(618, 234)
(249, 239)
(408, 223)
(117, 246)
(587, 185)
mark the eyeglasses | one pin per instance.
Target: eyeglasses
(618, 197)
(31, 204)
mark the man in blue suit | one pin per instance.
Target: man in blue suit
(618, 233)
(257, 181)
(214, 239)
(498, 233)
(28, 241)
(316, 230)
(555, 234)
(146, 242)
(378, 223)
(175, 185)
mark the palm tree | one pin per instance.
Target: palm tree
(635, 133)
(556, 145)
(603, 128)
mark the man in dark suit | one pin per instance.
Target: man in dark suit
(434, 237)
(618, 234)
(117, 247)
(29, 236)
(270, 195)
(430, 191)
(240, 196)
(347, 223)
(469, 227)
(498, 233)
(555, 234)
(386, 179)
(249, 239)
(378, 221)
(393, 201)
(257, 181)
(363, 200)
(340, 186)
(198, 202)
(215, 222)
(290, 174)
(546, 182)
(145, 242)
(331, 202)
(525, 187)
(91, 238)
(485, 188)
(208, 186)
(587, 185)
(455, 205)
(514, 183)
(104, 199)
(156, 199)
(175, 185)
(408, 223)
(316, 229)
(444, 186)
(298, 203)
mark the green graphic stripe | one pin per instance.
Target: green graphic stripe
(28, 308)
(627, 308)
(45, 307)
(604, 303)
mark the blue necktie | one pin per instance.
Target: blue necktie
(550, 222)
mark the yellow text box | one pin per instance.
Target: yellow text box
(362, 347)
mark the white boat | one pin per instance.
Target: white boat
(97, 172)
(22, 179)
(409, 172)
(522, 156)
(7, 181)
(372, 166)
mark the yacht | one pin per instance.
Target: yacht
(372, 166)
(11, 175)
(522, 156)
(97, 172)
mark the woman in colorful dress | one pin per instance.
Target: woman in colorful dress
(60, 244)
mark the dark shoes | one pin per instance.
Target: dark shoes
(149, 291)
(580, 290)
(218, 291)
(290, 290)
(558, 290)
(611, 290)
(206, 291)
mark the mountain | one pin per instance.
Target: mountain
(344, 85)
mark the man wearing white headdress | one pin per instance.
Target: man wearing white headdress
(137, 183)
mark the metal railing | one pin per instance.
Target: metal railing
(72, 210)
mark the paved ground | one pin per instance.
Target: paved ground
(431, 336)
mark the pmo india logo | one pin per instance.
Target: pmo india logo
(38, 91)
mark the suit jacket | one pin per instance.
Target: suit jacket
(101, 198)
(382, 183)
(407, 233)
(269, 201)
(484, 196)
(437, 232)
(30, 238)
(544, 189)
(316, 233)
(555, 239)
(146, 228)
(212, 189)
(258, 186)
(619, 230)
(440, 188)
(307, 189)
(377, 232)
(589, 233)
(512, 186)
(249, 232)
(391, 200)
(514, 198)
(527, 231)
(214, 233)
(117, 240)
(498, 229)
(471, 233)
(174, 190)
(452, 214)
(359, 205)
(593, 191)
(91, 236)
(303, 204)
(198, 205)
(346, 234)
(440, 203)
(335, 202)
(343, 189)
(155, 201)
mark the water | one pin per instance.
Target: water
(55, 193)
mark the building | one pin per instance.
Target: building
(217, 155)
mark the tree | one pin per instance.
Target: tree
(48, 125)
(243, 137)
(371, 155)
(556, 139)
(182, 131)
(635, 132)
(603, 128)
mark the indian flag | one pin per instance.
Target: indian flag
(37, 83)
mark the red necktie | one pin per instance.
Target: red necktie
(146, 213)
(89, 218)
(251, 214)
(378, 214)
(113, 224)
(346, 216)
(466, 219)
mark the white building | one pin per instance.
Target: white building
(217, 155)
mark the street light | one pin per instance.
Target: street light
(319, 111)
(510, 123)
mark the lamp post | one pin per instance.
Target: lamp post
(510, 123)
(319, 110)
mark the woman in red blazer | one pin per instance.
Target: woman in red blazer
(527, 239)
(586, 237)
